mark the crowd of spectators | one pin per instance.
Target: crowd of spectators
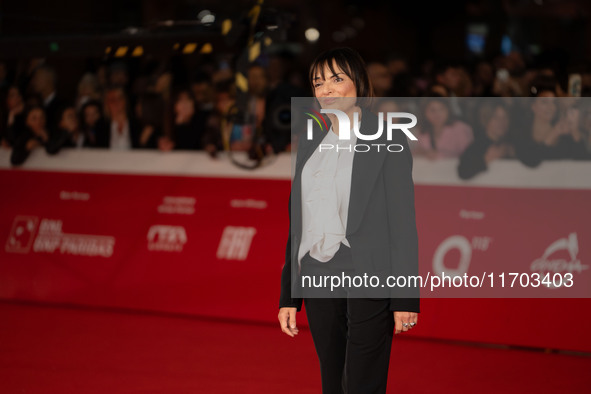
(159, 109)
(108, 112)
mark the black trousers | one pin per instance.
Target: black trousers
(352, 336)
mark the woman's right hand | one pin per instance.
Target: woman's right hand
(165, 144)
(287, 320)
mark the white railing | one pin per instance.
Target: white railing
(562, 174)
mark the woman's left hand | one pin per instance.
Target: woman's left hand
(146, 134)
(404, 321)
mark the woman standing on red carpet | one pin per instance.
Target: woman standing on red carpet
(351, 212)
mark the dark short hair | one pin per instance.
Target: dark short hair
(487, 110)
(183, 90)
(350, 62)
(116, 87)
(427, 126)
(92, 103)
(30, 108)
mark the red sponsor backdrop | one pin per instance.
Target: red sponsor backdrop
(215, 247)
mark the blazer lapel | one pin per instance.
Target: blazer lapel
(366, 167)
(304, 151)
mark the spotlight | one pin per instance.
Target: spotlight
(226, 26)
(206, 48)
(206, 17)
(312, 34)
(121, 51)
(189, 48)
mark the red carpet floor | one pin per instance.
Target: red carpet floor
(74, 350)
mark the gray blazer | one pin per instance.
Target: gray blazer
(381, 227)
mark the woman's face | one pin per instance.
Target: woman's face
(36, 120)
(14, 98)
(436, 113)
(115, 102)
(223, 102)
(498, 124)
(184, 106)
(91, 115)
(544, 106)
(333, 86)
(69, 120)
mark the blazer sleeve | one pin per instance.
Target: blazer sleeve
(285, 300)
(399, 187)
(472, 161)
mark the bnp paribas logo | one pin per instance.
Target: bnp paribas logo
(392, 124)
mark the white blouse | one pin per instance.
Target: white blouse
(120, 141)
(326, 188)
